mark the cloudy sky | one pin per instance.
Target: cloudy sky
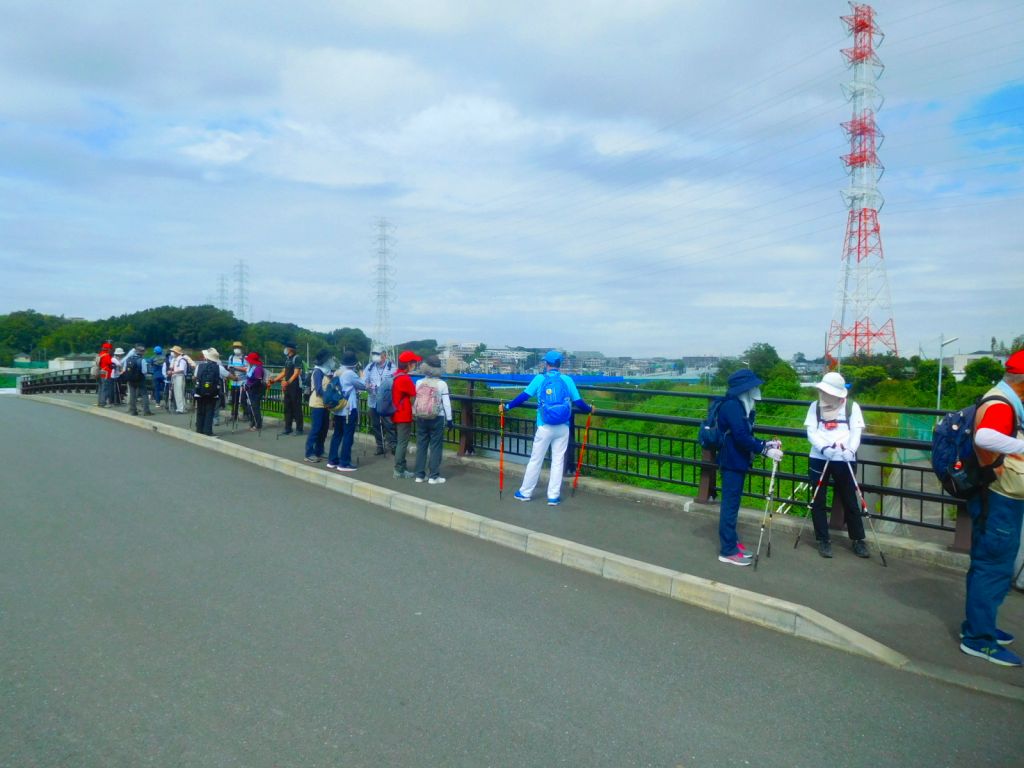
(643, 177)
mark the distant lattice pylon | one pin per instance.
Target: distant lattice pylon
(383, 285)
(863, 322)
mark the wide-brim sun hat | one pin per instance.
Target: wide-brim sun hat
(236, 343)
(177, 350)
(742, 381)
(212, 354)
(252, 358)
(118, 351)
(833, 383)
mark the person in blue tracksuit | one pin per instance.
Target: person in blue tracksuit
(735, 423)
(549, 434)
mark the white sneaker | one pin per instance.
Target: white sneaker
(436, 481)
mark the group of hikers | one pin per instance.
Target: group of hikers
(834, 424)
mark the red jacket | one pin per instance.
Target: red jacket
(402, 393)
(105, 365)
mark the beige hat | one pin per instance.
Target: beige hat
(833, 383)
(177, 350)
(212, 354)
(118, 351)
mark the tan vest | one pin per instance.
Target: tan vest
(315, 401)
(1010, 476)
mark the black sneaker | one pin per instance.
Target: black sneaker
(825, 548)
(860, 549)
(379, 452)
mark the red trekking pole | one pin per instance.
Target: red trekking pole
(501, 454)
(583, 452)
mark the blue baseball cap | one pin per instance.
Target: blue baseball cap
(158, 349)
(554, 358)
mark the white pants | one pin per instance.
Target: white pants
(557, 437)
(179, 394)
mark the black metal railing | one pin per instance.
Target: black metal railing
(660, 450)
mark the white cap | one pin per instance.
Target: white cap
(833, 383)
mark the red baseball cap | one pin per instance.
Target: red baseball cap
(1015, 363)
(408, 356)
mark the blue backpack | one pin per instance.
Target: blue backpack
(334, 398)
(953, 458)
(710, 434)
(554, 402)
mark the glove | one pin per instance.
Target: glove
(831, 453)
(848, 455)
(774, 444)
(774, 454)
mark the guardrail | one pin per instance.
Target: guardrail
(661, 450)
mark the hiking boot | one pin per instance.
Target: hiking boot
(1003, 638)
(990, 651)
(313, 459)
(379, 452)
(736, 559)
(860, 549)
(825, 548)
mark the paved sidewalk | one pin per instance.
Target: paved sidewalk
(913, 608)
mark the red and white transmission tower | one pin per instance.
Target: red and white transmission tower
(863, 322)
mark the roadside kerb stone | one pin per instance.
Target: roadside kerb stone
(902, 547)
(766, 611)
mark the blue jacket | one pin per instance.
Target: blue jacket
(738, 441)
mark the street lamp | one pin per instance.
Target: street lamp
(943, 341)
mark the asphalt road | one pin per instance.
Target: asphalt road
(163, 605)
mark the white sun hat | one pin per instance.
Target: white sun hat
(833, 383)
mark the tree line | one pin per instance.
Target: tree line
(193, 328)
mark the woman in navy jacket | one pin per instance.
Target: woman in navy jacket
(735, 423)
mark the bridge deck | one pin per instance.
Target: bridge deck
(913, 608)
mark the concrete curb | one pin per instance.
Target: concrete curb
(766, 611)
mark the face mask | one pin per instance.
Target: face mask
(375, 358)
(238, 351)
(755, 393)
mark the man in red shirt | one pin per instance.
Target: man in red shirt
(996, 516)
(402, 393)
(105, 383)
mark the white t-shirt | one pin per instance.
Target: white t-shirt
(826, 433)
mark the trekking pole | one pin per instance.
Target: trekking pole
(501, 454)
(821, 480)
(583, 452)
(767, 514)
(865, 513)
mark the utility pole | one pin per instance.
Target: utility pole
(383, 284)
(863, 314)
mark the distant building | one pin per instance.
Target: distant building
(959, 363)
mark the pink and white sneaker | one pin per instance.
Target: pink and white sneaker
(736, 559)
(744, 552)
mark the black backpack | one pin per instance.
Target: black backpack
(133, 370)
(207, 379)
(710, 435)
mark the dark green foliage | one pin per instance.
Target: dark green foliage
(984, 372)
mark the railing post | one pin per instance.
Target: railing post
(837, 514)
(466, 420)
(708, 477)
(962, 537)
